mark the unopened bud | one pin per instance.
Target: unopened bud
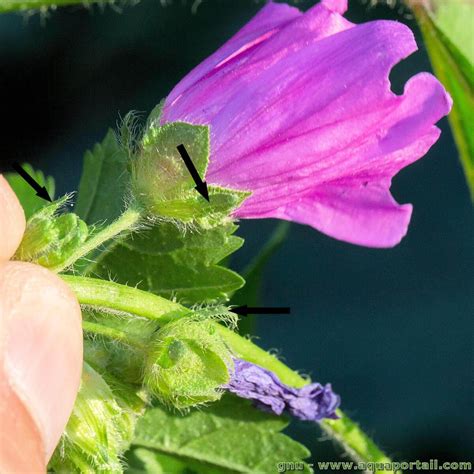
(188, 363)
(50, 239)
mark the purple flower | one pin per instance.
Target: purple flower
(312, 402)
(302, 115)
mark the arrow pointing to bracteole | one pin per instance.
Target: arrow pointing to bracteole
(41, 191)
(246, 310)
(201, 186)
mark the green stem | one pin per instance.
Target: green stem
(348, 434)
(126, 221)
(245, 349)
(106, 294)
(106, 331)
(25, 5)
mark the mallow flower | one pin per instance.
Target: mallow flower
(312, 402)
(301, 115)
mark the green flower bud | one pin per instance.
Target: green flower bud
(187, 363)
(50, 239)
(164, 186)
(100, 428)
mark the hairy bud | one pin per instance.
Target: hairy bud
(188, 363)
(100, 428)
(163, 184)
(50, 239)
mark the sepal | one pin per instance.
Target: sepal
(163, 184)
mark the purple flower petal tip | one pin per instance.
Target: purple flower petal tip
(312, 402)
(302, 115)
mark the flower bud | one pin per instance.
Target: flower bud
(50, 239)
(188, 363)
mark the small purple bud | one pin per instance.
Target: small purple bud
(312, 402)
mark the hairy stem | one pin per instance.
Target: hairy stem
(345, 431)
(110, 295)
(106, 294)
(106, 331)
(125, 222)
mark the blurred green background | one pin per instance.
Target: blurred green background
(391, 329)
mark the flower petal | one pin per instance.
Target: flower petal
(345, 193)
(322, 85)
(304, 118)
(364, 215)
(312, 402)
(267, 22)
(276, 32)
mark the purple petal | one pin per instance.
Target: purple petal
(312, 402)
(302, 115)
(267, 22)
(276, 32)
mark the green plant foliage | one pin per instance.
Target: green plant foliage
(100, 427)
(122, 360)
(104, 182)
(143, 460)
(229, 436)
(26, 5)
(176, 264)
(454, 19)
(168, 259)
(447, 31)
(29, 200)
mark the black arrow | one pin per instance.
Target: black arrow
(41, 191)
(201, 186)
(246, 310)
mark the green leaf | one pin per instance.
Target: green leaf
(454, 19)
(26, 194)
(230, 436)
(104, 182)
(143, 460)
(447, 31)
(168, 262)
